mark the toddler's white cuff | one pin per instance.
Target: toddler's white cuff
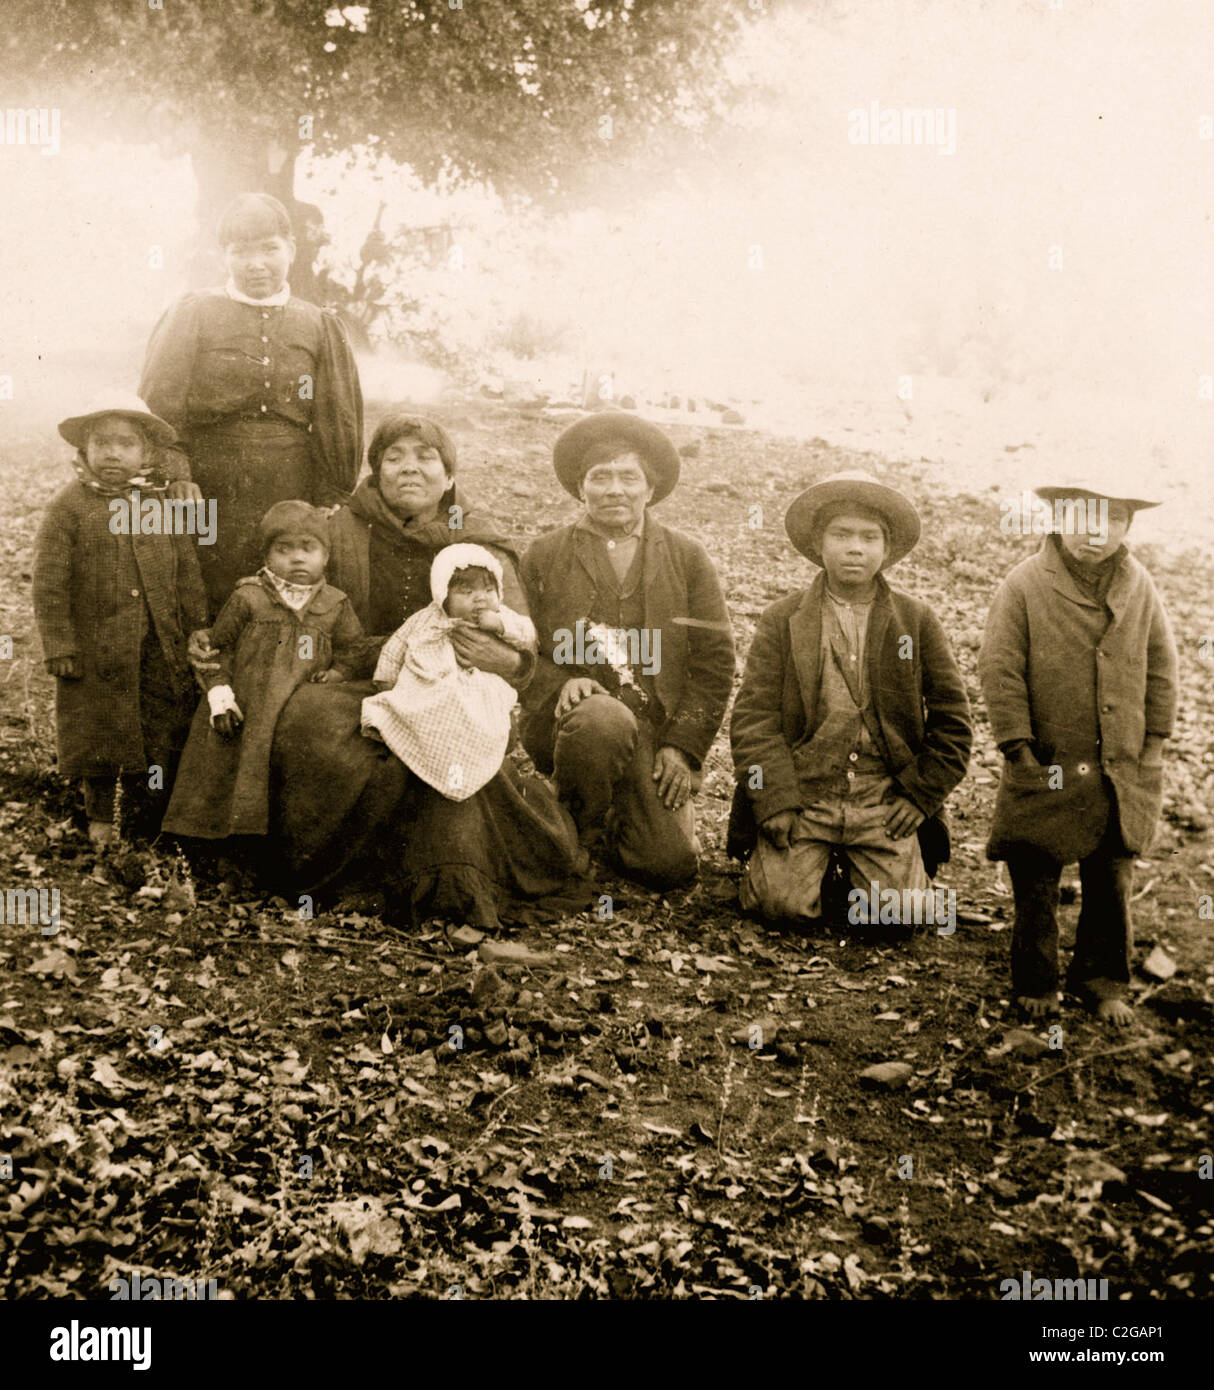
(222, 700)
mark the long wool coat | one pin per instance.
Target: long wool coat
(683, 601)
(93, 593)
(918, 697)
(1086, 694)
(267, 651)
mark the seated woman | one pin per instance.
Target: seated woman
(347, 813)
(636, 653)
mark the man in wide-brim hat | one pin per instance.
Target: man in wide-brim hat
(852, 725)
(1079, 671)
(636, 654)
(611, 434)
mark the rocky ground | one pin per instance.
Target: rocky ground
(669, 1101)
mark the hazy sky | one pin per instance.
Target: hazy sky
(793, 251)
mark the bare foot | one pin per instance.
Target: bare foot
(1115, 1011)
(1038, 1005)
(101, 834)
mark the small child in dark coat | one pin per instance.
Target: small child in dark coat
(117, 589)
(281, 627)
(1078, 667)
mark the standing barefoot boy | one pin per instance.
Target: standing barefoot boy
(1078, 669)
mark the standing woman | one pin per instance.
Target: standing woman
(261, 388)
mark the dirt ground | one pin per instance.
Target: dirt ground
(660, 1102)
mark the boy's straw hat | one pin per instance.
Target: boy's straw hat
(1086, 484)
(864, 490)
(75, 429)
(661, 458)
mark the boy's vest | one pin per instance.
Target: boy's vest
(845, 736)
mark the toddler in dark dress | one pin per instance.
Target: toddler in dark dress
(282, 626)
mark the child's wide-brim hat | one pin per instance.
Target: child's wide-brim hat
(1051, 492)
(862, 490)
(660, 457)
(75, 429)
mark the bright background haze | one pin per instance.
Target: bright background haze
(1078, 128)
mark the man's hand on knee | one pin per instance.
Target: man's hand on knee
(778, 828)
(574, 691)
(672, 773)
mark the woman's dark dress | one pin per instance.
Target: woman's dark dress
(349, 814)
(267, 404)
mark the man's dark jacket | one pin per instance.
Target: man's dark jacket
(683, 601)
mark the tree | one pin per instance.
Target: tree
(526, 94)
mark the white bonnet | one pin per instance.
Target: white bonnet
(460, 557)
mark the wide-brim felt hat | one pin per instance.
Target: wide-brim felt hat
(660, 457)
(1051, 492)
(863, 490)
(75, 429)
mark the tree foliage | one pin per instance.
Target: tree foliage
(525, 93)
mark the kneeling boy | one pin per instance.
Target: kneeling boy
(852, 723)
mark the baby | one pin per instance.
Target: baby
(448, 723)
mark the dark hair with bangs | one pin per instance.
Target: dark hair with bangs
(472, 577)
(150, 448)
(252, 217)
(608, 450)
(403, 424)
(833, 510)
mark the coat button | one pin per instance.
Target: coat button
(134, 593)
(265, 407)
(265, 361)
(1083, 768)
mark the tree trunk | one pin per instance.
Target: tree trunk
(224, 167)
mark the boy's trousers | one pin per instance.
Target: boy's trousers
(1104, 937)
(787, 883)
